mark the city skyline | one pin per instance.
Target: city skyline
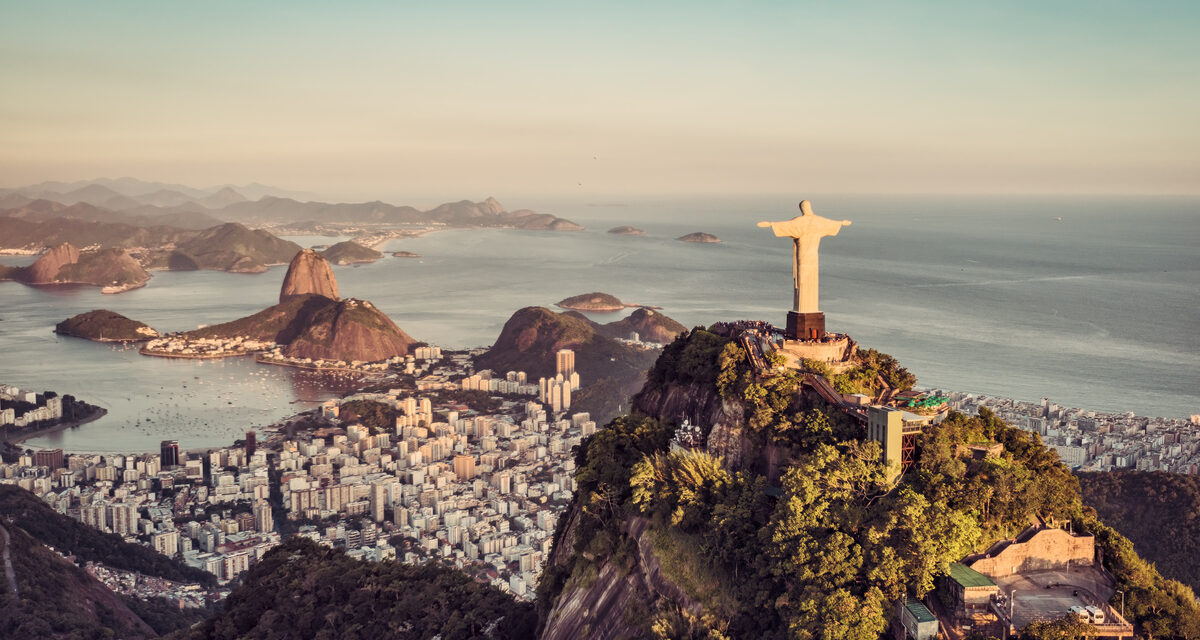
(424, 103)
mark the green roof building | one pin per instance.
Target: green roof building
(969, 590)
(918, 621)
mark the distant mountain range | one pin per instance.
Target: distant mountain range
(139, 203)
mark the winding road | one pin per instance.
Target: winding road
(8, 568)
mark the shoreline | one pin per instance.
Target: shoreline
(193, 356)
(308, 367)
(25, 434)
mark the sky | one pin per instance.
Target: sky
(403, 100)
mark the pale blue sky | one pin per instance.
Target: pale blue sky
(399, 100)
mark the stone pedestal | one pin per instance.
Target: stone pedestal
(805, 326)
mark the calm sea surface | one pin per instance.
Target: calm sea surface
(992, 295)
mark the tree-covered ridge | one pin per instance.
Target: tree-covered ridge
(71, 536)
(303, 590)
(57, 599)
(1158, 511)
(824, 551)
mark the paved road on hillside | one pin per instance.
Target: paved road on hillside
(8, 569)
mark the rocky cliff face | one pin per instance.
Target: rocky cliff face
(309, 273)
(723, 421)
(45, 269)
(350, 330)
(598, 611)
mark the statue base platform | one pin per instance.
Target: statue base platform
(805, 326)
(835, 350)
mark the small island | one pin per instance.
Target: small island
(350, 252)
(700, 237)
(405, 254)
(102, 325)
(627, 231)
(595, 301)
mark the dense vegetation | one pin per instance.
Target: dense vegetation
(1159, 512)
(824, 554)
(375, 416)
(303, 590)
(104, 325)
(164, 615)
(86, 543)
(871, 372)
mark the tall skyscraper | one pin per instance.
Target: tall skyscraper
(170, 453)
(379, 495)
(565, 360)
(251, 444)
(263, 519)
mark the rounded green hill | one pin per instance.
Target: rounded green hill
(103, 325)
(595, 301)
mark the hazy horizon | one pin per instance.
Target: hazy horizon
(372, 101)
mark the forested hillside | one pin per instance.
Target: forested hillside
(86, 543)
(303, 590)
(1159, 512)
(823, 551)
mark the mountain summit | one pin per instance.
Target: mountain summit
(309, 273)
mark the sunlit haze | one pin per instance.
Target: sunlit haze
(405, 102)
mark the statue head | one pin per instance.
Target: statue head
(806, 208)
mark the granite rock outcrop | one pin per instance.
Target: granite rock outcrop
(309, 273)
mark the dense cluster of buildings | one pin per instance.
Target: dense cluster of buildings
(144, 587)
(481, 491)
(178, 346)
(45, 407)
(1098, 441)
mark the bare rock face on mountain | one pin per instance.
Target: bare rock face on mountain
(309, 273)
(45, 269)
(350, 330)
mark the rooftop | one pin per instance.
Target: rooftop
(919, 611)
(968, 577)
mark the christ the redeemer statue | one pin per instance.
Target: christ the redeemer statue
(805, 321)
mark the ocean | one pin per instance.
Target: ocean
(1091, 302)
